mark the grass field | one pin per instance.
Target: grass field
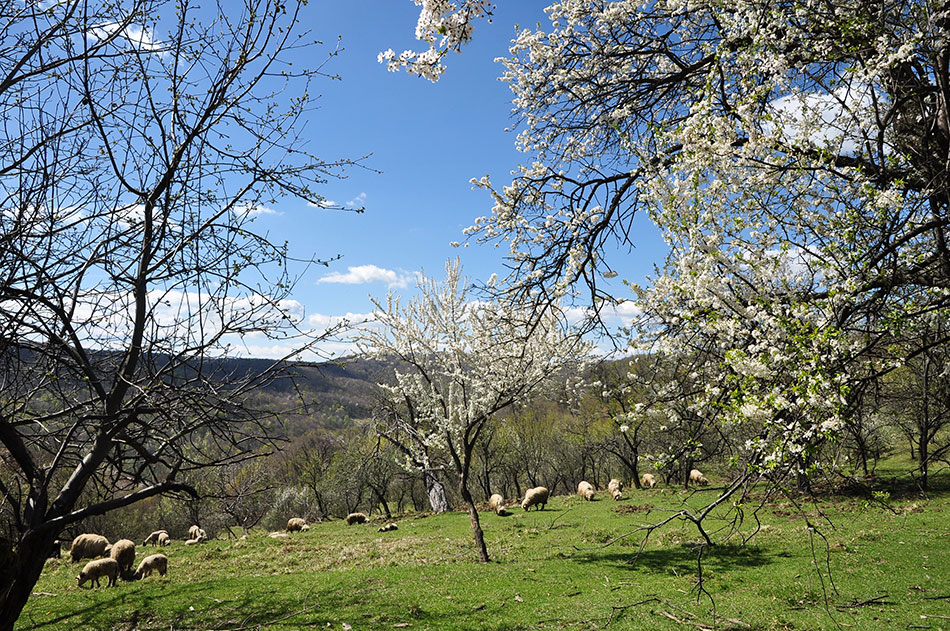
(889, 569)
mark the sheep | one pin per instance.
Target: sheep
(123, 552)
(196, 535)
(163, 539)
(585, 490)
(297, 523)
(388, 527)
(88, 546)
(154, 538)
(497, 503)
(158, 562)
(538, 496)
(275, 535)
(696, 477)
(94, 570)
(356, 518)
(647, 481)
(614, 487)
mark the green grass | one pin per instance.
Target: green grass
(551, 570)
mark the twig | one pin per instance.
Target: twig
(614, 609)
(854, 604)
(563, 513)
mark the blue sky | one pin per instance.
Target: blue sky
(426, 142)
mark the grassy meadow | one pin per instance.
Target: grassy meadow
(883, 567)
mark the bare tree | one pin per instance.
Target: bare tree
(139, 143)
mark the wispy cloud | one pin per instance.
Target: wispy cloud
(139, 37)
(357, 202)
(255, 210)
(363, 274)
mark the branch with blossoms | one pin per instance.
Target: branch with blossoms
(443, 26)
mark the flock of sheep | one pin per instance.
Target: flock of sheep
(118, 558)
(538, 496)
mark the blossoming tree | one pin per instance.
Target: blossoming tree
(462, 362)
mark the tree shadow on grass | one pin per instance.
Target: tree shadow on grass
(680, 559)
(267, 606)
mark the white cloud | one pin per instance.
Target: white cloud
(323, 203)
(358, 201)
(255, 210)
(838, 120)
(139, 37)
(362, 274)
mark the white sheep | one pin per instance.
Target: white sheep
(163, 539)
(586, 490)
(156, 562)
(538, 496)
(123, 551)
(388, 527)
(615, 488)
(94, 570)
(696, 477)
(88, 546)
(647, 481)
(295, 524)
(194, 531)
(356, 518)
(153, 538)
(497, 503)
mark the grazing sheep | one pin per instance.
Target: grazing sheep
(617, 494)
(94, 570)
(154, 537)
(163, 539)
(538, 496)
(586, 490)
(197, 535)
(88, 546)
(295, 524)
(388, 527)
(696, 477)
(193, 532)
(356, 518)
(123, 552)
(647, 481)
(158, 562)
(497, 503)
(614, 487)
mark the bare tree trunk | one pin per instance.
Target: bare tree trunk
(29, 561)
(476, 524)
(436, 491)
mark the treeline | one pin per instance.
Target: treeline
(606, 432)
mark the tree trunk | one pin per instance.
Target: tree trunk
(29, 562)
(476, 524)
(436, 491)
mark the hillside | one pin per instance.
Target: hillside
(560, 568)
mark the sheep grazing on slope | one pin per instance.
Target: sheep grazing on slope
(586, 490)
(88, 546)
(356, 518)
(614, 487)
(155, 562)
(295, 524)
(538, 496)
(647, 481)
(196, 535)
(388, 527)
(696, 477)
(497, 503)
(154, 538)
(94, 570)
(123, 552)
(163, 539)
